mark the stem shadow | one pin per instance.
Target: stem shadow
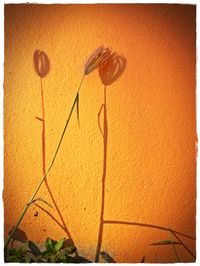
(63, 226)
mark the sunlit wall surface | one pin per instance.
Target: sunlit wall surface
(151, 156)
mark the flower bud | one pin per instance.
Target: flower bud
(41, 63)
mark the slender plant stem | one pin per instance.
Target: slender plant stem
(173, 246)
(43, 132)
(188, 250)
(148, 225)
(105, 140)
(44, 159)
(47, 172)
(81, 83)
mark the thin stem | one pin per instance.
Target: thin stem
(81, 83)
(186, 248)
(47, 172)
(148, 225)
(99, 116)
(43, 131)
(105, 140)
(44, 160)
(173, 246)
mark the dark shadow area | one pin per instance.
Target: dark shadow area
(112, 68)
(19, 235)
(107, 257)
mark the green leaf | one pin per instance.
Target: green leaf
(62, 258)
(16, 252)
(13, 259)
(25, 246)
(59, 244)
(49, 245)
(165, 242)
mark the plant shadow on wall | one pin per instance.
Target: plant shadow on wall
(109, 71)
(110, 66)
(42, 67)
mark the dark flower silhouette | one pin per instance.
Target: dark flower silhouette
(95, 59)
(41, 63)
(111, 68)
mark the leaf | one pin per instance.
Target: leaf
(52, 258)
(49, 245)
(27, 259)
(16, 252)
(59, 244)
(173, 246)
(165, 242)
(24, 247)
(70, 250)
(18, 235)
(62, 258)
(77, 108)
(70, 259)
(107, 257)
(13, 259)
(82, 260)
(32, 257)
(143, 260)
(34, 249)
(40, 199)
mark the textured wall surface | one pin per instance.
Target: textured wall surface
(151, 164)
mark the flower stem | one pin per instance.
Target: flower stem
(43, 132)
(105, 141)
(47, 172)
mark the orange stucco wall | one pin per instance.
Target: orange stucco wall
(151, 164)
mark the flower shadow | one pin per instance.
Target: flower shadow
(112, 68)
(41, 63)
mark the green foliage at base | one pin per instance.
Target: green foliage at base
(53, 251)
